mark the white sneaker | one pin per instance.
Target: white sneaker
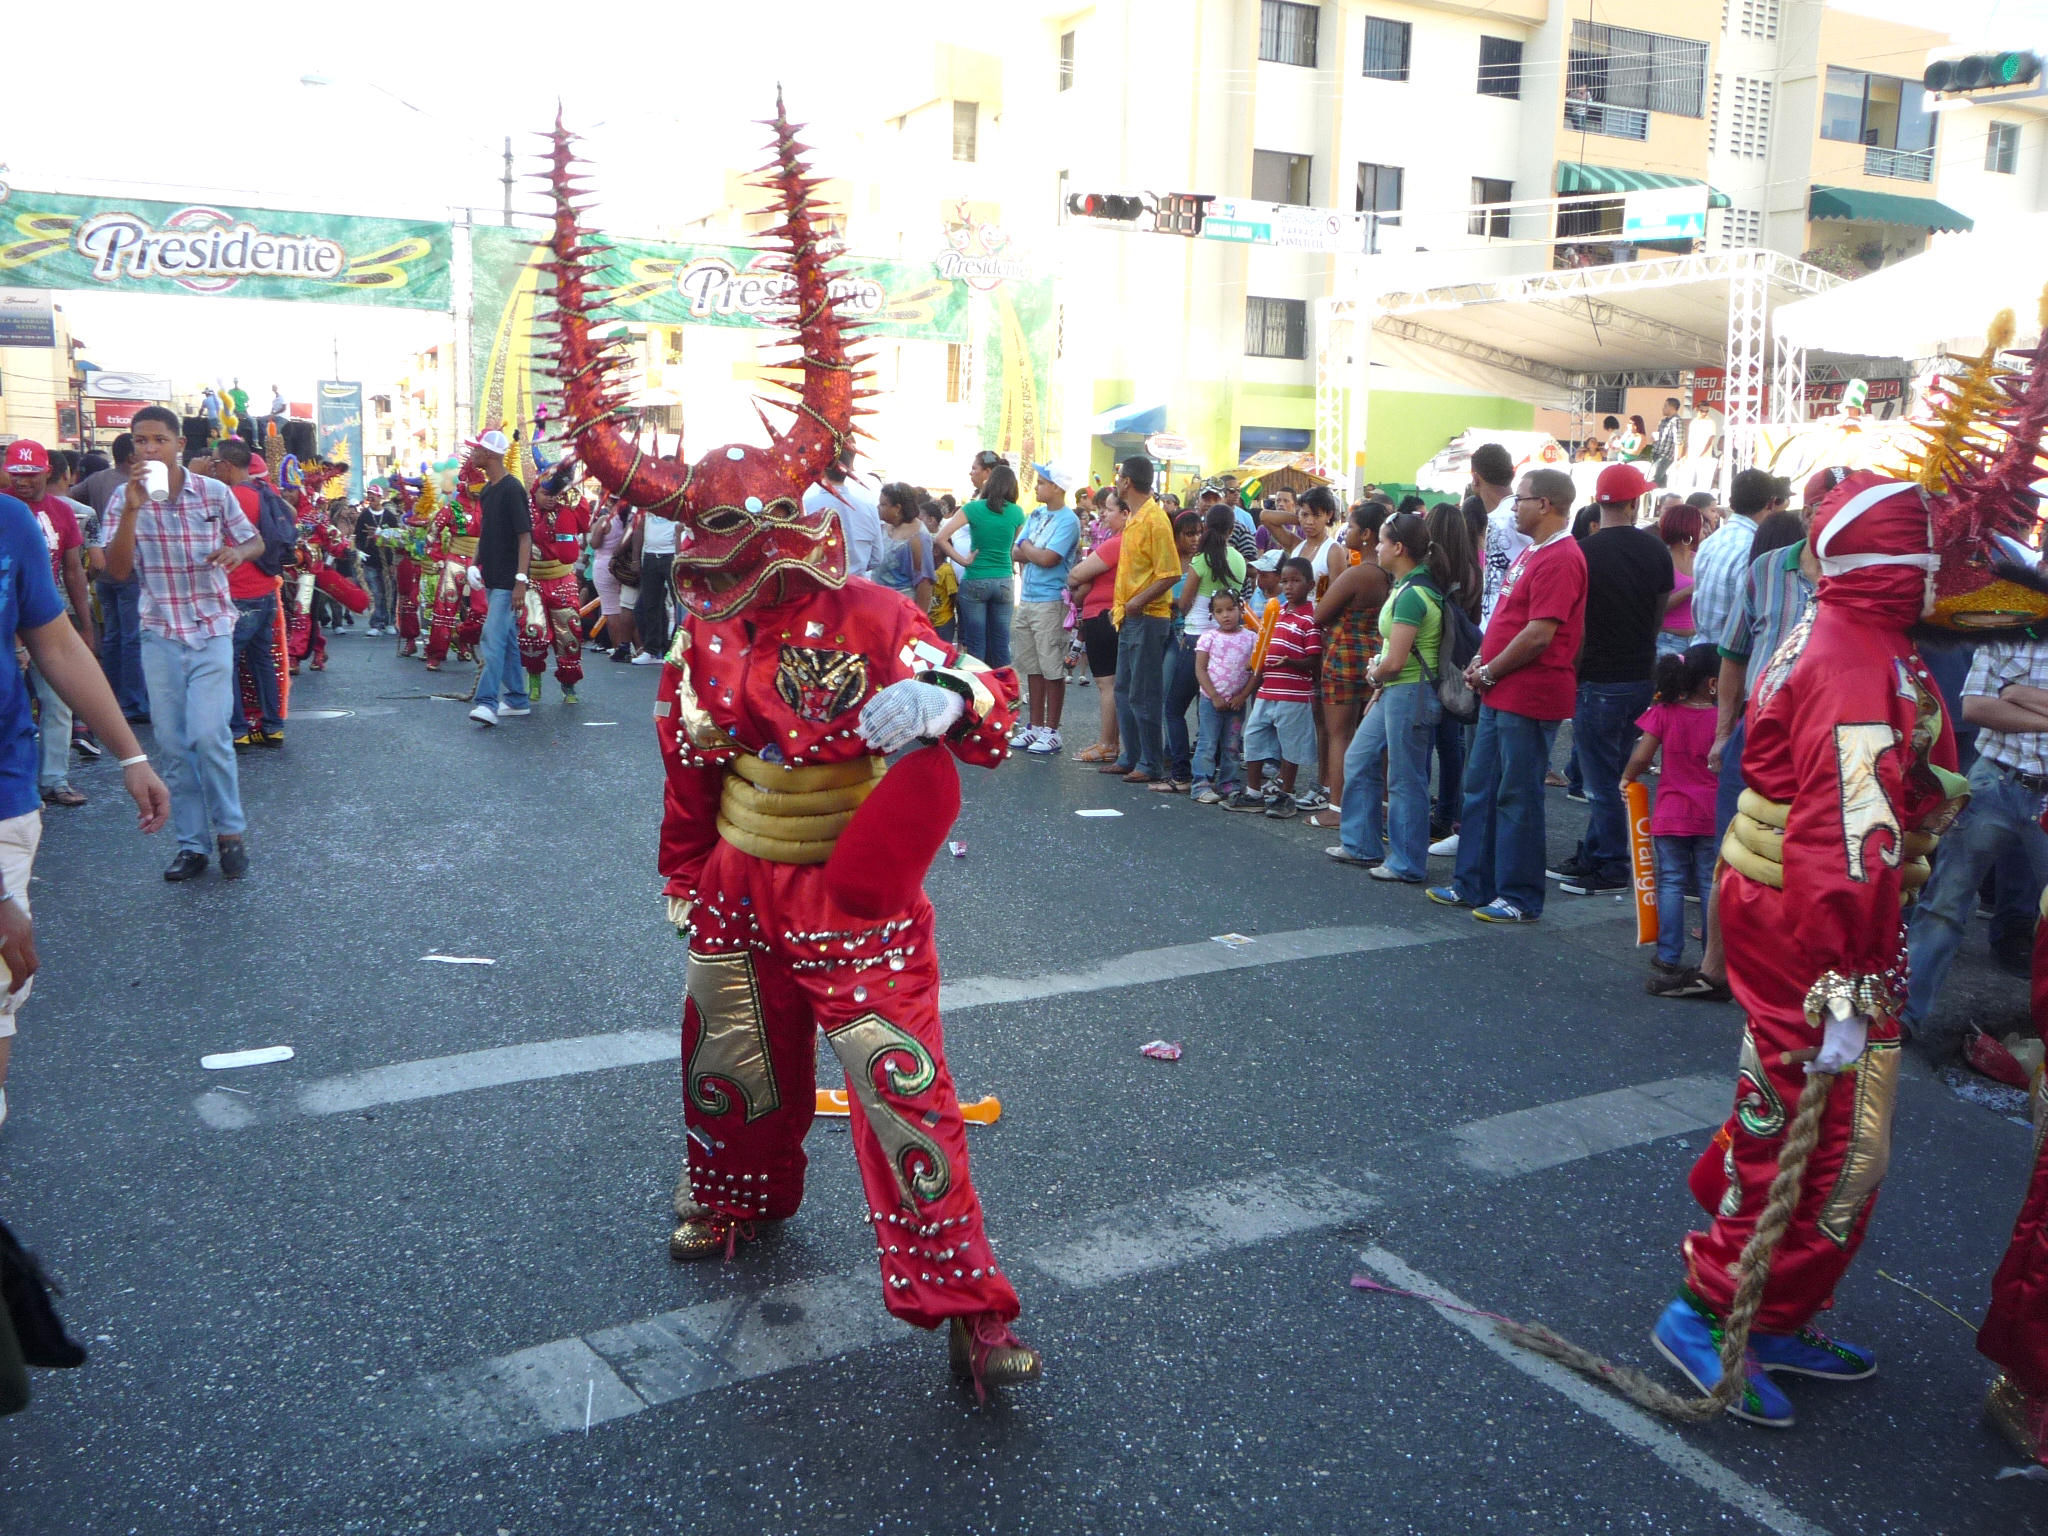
(1444, 847)
(1046, 742)
(483, 714)
(513, 709)
(645, 660)
(1023, 734)
(3, 1106)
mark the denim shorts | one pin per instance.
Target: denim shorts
(1282, 728)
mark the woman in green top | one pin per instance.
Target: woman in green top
(1391, 750)
(986, 595)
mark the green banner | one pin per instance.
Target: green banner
(657, 283)
(51, 240)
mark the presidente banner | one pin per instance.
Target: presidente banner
(658, 283)
(338, 416)
(53, 240)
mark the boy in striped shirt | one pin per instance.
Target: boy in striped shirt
(1281, 727)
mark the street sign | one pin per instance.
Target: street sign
(28, 319)
(1166, 446)
(1284, 224)
(1665, 213)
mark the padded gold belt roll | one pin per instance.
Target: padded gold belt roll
(548, 570)
(792, 815)
(461, 548)
(1755, 845)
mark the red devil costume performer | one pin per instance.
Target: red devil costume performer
(1850, 779)
(311, 568)
(458, 599)
(794, 862)
(560, 521)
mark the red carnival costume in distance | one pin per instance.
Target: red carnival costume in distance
(311, 568)
(1850, 778)
(791, 859)
(459, 603)
(560, 521)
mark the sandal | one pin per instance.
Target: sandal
(1168, 787)
(1335, 820)
(1138, 776)
(67, 796)
(1095, 754)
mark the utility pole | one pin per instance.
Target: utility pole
(508, 181)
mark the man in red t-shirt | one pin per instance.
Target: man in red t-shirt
(260, 682)
(28, 477)
(560, 521)
(1526, 680)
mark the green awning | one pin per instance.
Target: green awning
(1574, 177)
(1884, 208)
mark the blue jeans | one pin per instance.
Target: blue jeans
(503, 676)
(1729, 791)
(1501, 835)
(2001, 815)
(1604, 733)
(1219, 746)
(379, 583)
(53, 733)
(189, 688)
(1140, 691)
(1181, 691)
(121, 644)
(984, 606)
(1450, 769)
(1685, 867)
(254, 647)
(1390, 751)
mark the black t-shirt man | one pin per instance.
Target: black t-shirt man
(1628, 576)
(507, 515)
(368, 521)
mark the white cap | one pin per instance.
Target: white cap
(1269, 561)
(1061, 474)
(490, 442)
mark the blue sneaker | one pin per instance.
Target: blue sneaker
(1690, 1338)
(1446, 896)
(1501, 910)
(1809, 1352)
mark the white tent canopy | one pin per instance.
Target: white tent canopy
(1939, 301)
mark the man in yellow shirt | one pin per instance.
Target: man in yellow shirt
(1143, 613)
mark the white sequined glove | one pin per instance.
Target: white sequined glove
(909, 711)
(679, 914)
(1842, 1041)
(476, 579)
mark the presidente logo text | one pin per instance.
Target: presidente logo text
(203, 248)
(712, 286)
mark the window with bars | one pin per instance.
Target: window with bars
(966, 129)
(1741, 228)
(1379, 191)
(1500, 66)
(1620, 67)
(1279, 177)
(1276, 327)
(1491, 222)
(1742, 116)
(1759, 18)
(1066, 61)
(1287, 33)
(1386, 48)
(2002, 148)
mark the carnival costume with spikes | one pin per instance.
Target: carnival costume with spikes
(459, 600)
(554, 599)
(1849, 771)
(793, 861)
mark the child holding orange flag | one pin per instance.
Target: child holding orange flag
(1680, 723)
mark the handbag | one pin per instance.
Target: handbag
(625, 561)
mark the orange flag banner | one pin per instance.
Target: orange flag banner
(1642, 859)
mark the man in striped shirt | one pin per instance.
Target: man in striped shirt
(1723, 556)
(182, 537)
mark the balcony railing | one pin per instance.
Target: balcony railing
(1900, 164)
(1599, 117)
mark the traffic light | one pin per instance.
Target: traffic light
(1116, 206)
(1983, 72)
(1181, 213)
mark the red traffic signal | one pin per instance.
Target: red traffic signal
(1105, 205)
(1982, 72)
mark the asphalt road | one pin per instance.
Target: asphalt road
(323, 1296)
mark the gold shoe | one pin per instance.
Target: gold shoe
(2018, 1415)
(982, 1347)
(705, 1234)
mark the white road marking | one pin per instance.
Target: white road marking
(520, 1397)
(402, 1082)
(1682, 1457)
(262, 1055)
(1101, 813)
(459, 959)
(1531, 1139)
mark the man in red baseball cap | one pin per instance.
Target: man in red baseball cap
(27, 467)
(1628, 576)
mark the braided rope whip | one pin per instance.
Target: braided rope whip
(1753, 1272)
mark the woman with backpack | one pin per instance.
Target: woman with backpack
(1390, 753)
